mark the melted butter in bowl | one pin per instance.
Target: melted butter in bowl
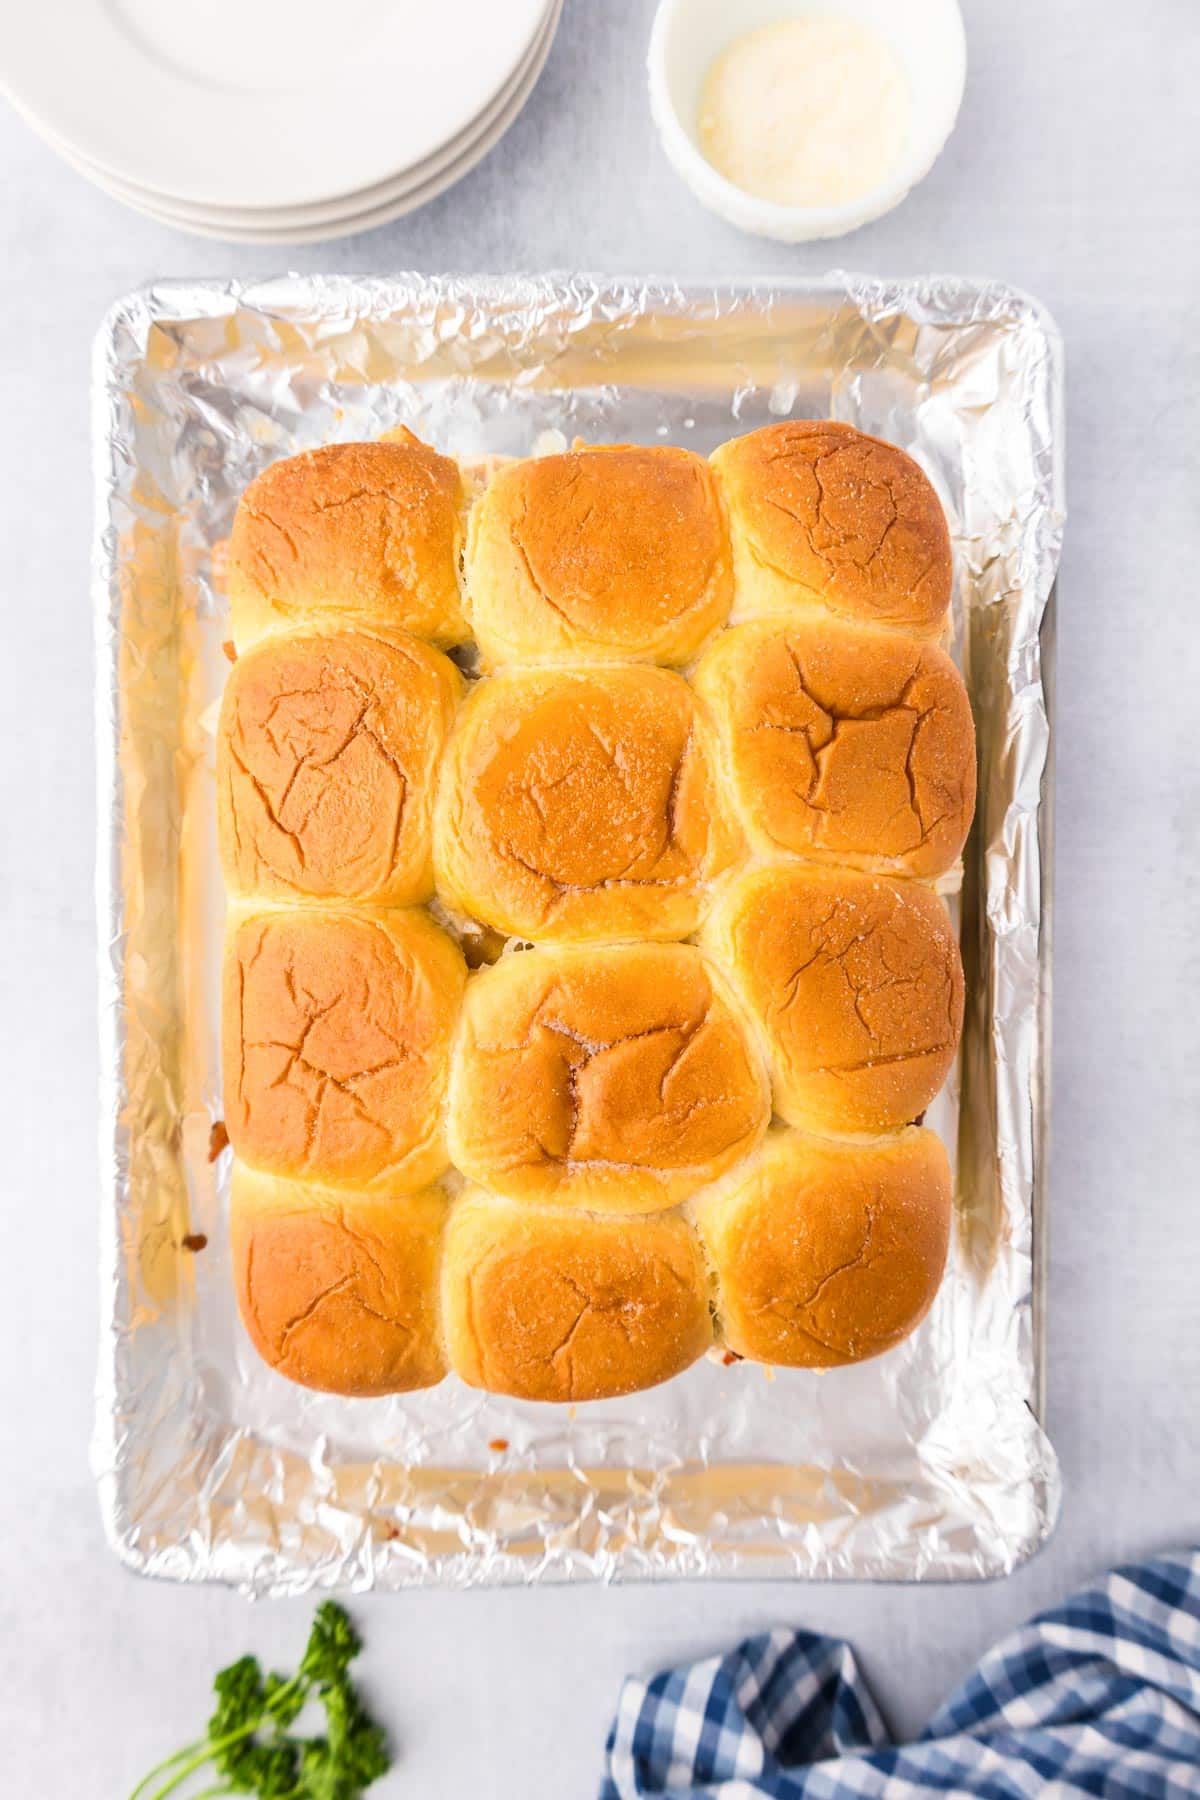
(804, 120)
(810, 111)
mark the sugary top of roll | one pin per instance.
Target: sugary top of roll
(616, 1078)
(337, 1294)
(365, 533)
(607, 554)
(336, 1036)
(821, 512)
(579, 805)
(327, 759)
(828, 1253)
(857, 981)
(845, 744)
(547, 1305)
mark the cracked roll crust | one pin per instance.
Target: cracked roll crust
(845, 744)
(604, 554)
(828, 1253)
(857, 981)
(336, 1041)
(547, 1305)
(822, 513)
(327, 759)
(339, 1292)
(580, 806)
(617, 1078)
(357, 533)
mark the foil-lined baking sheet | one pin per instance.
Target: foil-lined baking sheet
(929, 1462)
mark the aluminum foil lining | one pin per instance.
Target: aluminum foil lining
(926, 1463)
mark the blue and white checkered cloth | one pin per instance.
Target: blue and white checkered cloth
(1100, 1696)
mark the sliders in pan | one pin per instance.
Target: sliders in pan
(691, 812)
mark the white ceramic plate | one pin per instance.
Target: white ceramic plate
(405, 198)
(327, 211)
(268, 104)
(326, 218)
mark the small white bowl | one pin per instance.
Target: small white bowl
(926, 36)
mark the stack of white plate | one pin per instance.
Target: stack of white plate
(275, 121)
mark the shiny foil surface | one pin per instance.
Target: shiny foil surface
(928, 1463)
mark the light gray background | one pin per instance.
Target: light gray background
(1073, 173)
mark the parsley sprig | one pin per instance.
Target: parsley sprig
(249, 1746)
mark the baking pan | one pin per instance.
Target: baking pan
(928, 1463)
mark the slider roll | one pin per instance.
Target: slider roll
(601, 555)
(828, 1253)
(351, 535)
(339, 1292)
(616, 1078)
(857, 983)
(844, 745)
(823, 516)
(546, 1305)
(579, 806)
(327, 758)
(337, 1029)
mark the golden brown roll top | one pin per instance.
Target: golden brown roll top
(327, 759)
(844, 744)
(618, 1079)
(548, 1305)
(606, 554)
(336, 1039)
(352, 534)
(857, 982)
(828, 1253)
(823, 515)
(339, 1292)
(579, 805)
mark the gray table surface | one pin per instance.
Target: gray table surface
(1073, 174)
